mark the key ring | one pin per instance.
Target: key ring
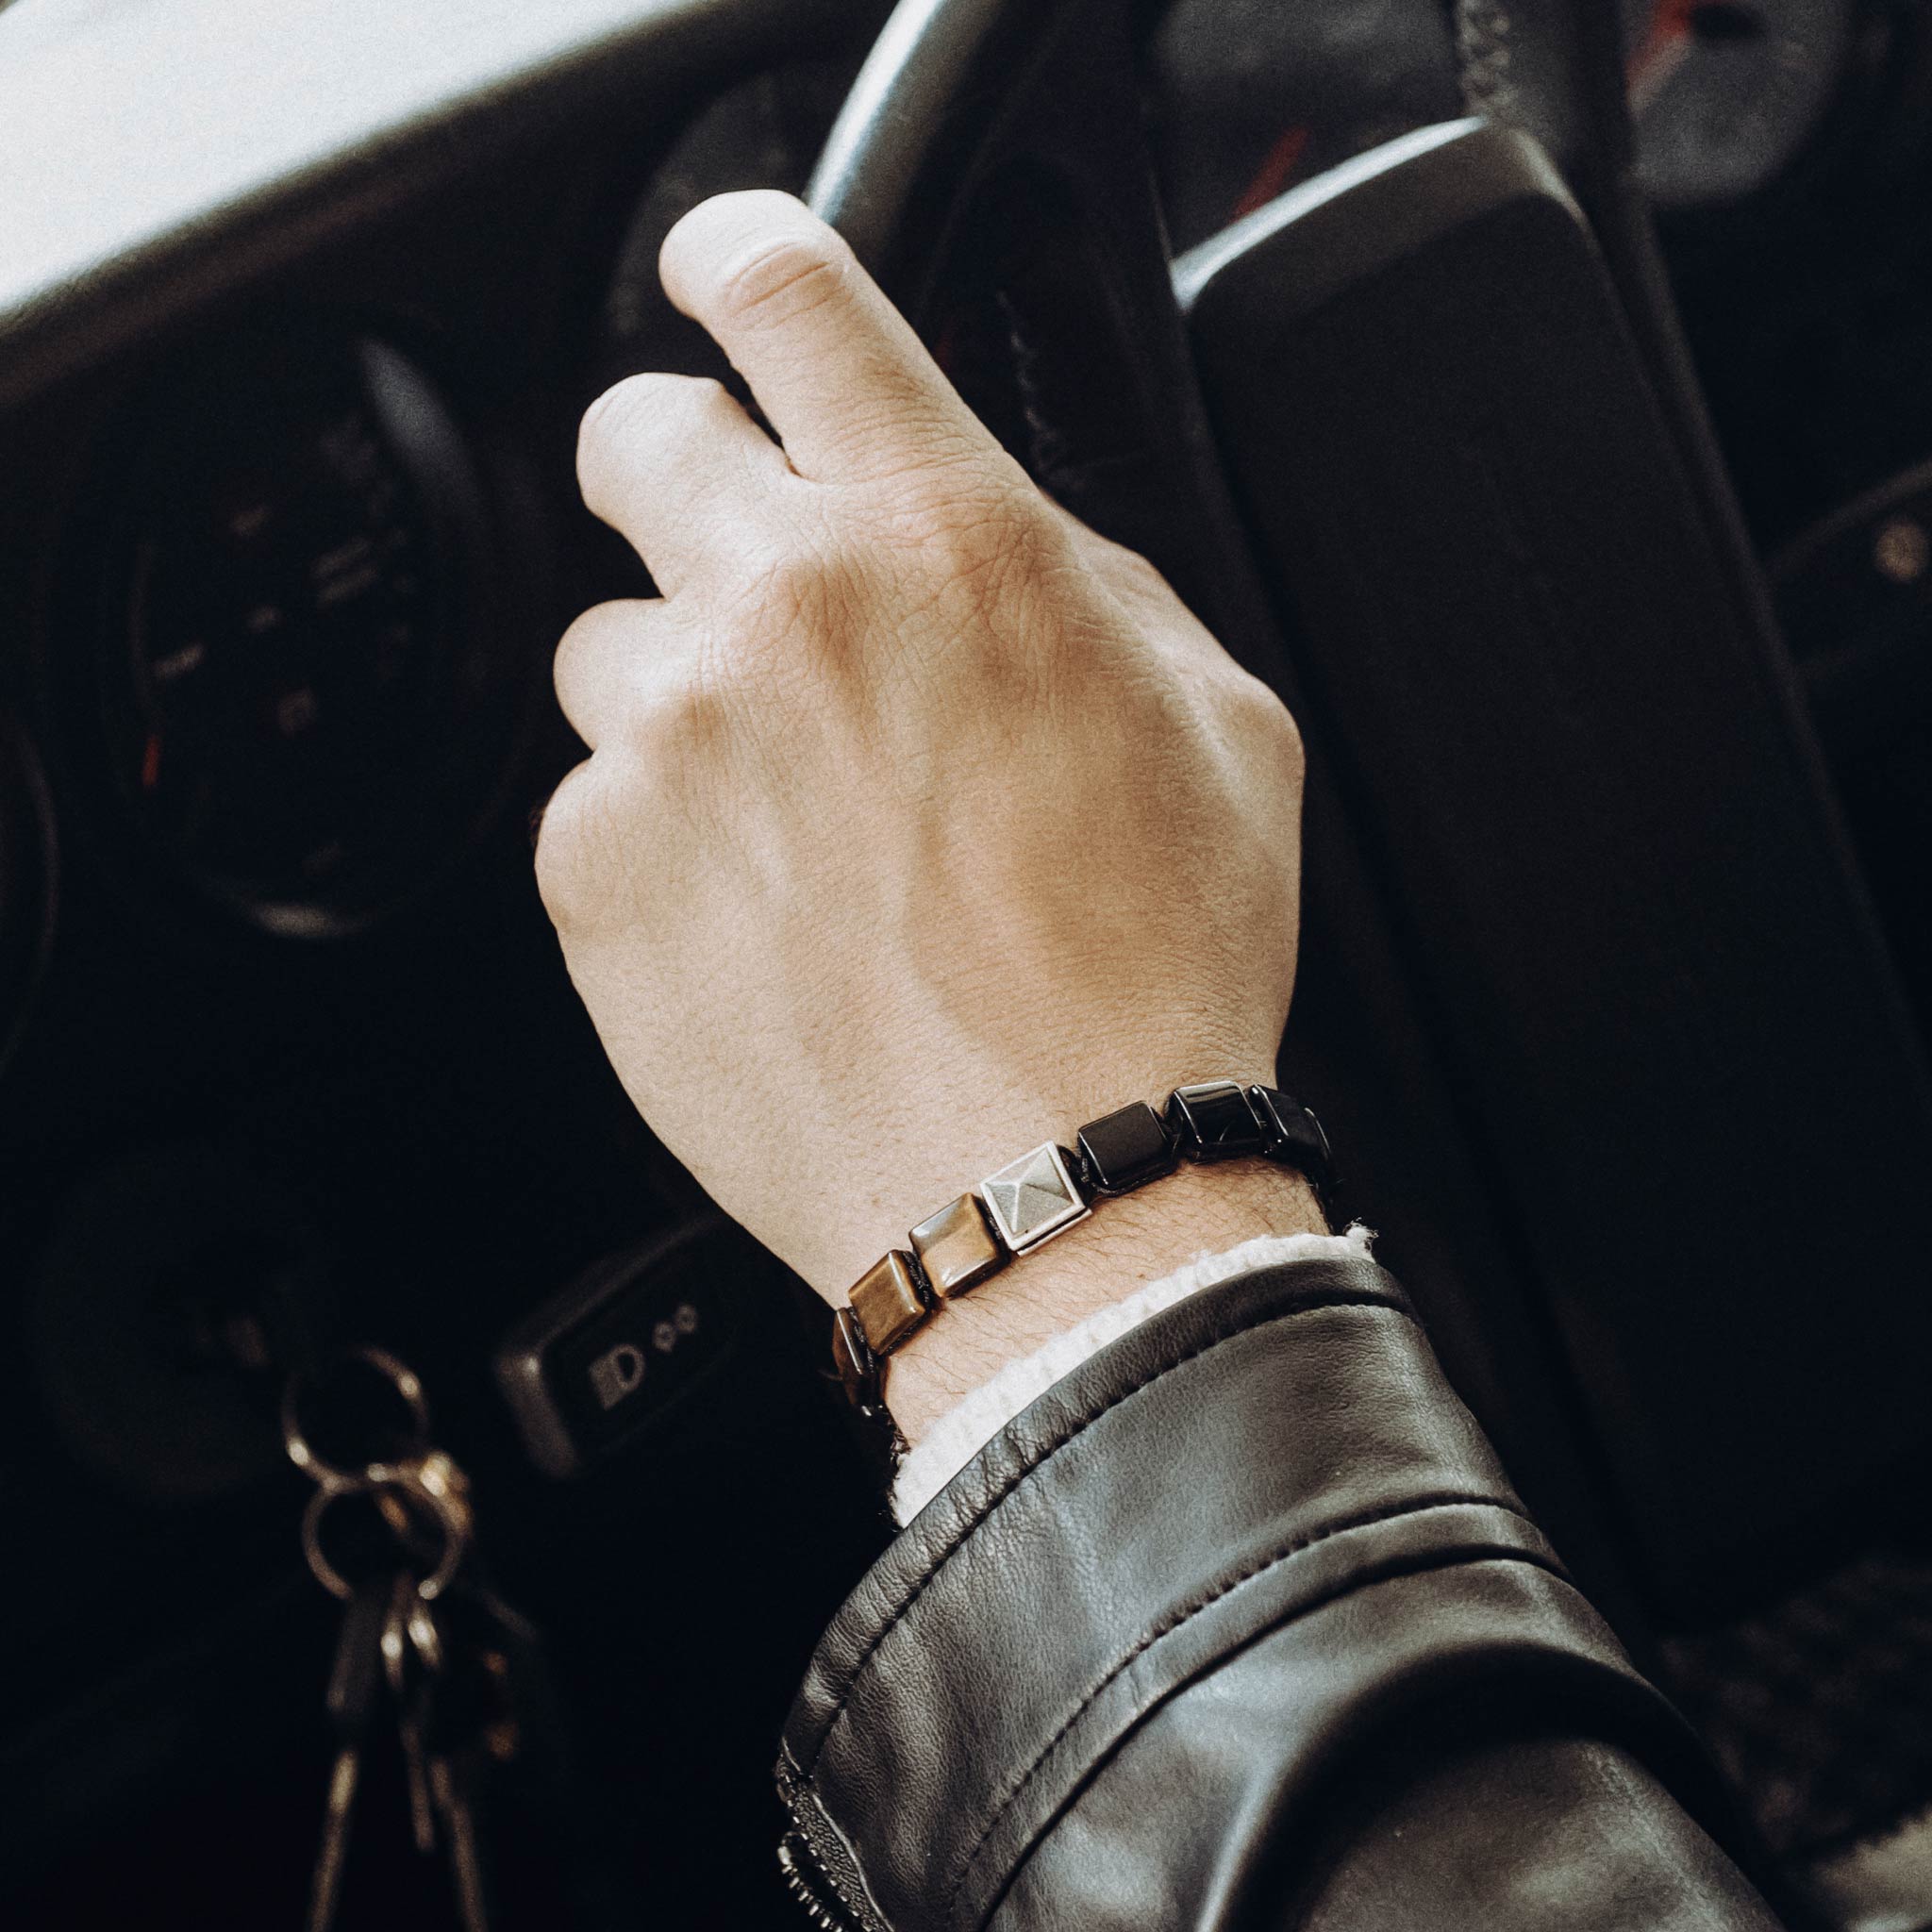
(434, 1481)
(400, 1378)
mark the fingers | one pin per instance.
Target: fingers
(674, 466)
(837, 369)
(606, 659)
(677, 467)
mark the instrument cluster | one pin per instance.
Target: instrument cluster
(1727, 96)
(302, 685)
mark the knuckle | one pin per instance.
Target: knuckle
(561, 873)
(683, 726)
(977, 535)
(798, 588)
(610, 420)
(604, 437)
(589, 630)
(782, 278)
(597, 840)
(591, 637)
(684, 407)
(652, 407)
(998, 548)
(1274, 723)
(1141, 570)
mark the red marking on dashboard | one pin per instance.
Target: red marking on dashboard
(1278, 167)
(151, 762)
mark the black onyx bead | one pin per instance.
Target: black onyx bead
(1214, 1121)
(1294, 1135)
(1125, 1149)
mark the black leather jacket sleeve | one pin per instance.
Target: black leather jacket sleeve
(1241, 1626)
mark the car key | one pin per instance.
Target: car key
(473, 1729)
(412, 1651)
(450, 1784)
(353, 1682)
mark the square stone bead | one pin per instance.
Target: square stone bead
(1295, 1137)
(858, 1366)
(1034, 1198)
(888, 1302)
(1125, 1149)
(1214, 1121)
(956, 1248)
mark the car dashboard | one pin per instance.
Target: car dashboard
(298, 316)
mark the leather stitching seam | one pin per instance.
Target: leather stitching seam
(1175, 1620)
(1338, 1299)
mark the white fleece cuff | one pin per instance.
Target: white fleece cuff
(978, 1416)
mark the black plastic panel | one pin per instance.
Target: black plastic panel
(1677, 1040)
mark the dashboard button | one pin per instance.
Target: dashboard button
(610, 1357)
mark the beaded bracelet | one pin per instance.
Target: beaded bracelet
(1048, 1191)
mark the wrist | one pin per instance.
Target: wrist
(1134, 1240)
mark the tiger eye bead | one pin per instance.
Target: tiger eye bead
(956, 1248)
(852, 1358)
(888, 1302)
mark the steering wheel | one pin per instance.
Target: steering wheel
(1592, 990)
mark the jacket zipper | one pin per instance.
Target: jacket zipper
(806, 1880)
(819, 1877)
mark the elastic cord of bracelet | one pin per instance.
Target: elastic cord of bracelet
(1048, 1191)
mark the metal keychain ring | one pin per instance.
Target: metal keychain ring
(448, 1507)
(302, 1451)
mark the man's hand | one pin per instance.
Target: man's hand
(920, 824)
